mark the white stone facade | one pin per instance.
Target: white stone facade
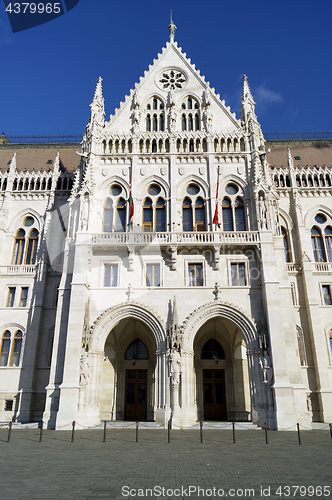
(167, 314)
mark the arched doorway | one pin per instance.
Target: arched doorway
(128, 372)
(221, 368)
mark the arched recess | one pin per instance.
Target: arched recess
(112, 316)
(119, 378)
(309, 216)
(181, 187)
(244, 392)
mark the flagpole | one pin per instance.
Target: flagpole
(131, 202)
(216, 215)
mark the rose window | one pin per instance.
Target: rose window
(172, 80)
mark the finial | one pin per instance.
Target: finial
(172, 29)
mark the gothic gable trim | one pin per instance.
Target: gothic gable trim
(195, 320)
(103, 325)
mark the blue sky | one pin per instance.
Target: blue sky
(49, 72)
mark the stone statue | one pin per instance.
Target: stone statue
(262, 212)
(207, 113)
(266, 366)
(84, 369)
(276, 217)
(175, 368)
(85, 213)
(172, 113)
(136, 114)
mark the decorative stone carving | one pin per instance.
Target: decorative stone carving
(266, 366)
(207, 112)
(175, 368)
(216, 291)
(129, 292)
(85, 212)
(262, 213)
(136, 113)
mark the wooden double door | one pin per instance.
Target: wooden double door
(136, 395)
(214, 395)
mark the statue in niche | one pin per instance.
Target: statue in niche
(262, 212)
(172, 112)
(276, 217)
(207, 113)
(84, 371)
(266, 366)
(85, 213)
(175, 368)
(136, 114)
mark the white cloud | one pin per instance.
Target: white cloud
(266, 96)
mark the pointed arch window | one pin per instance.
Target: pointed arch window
(239, 215)
(161, 123)
(108, 216)
(120, 216)
(147, 216)
(16, 349)
(187, 216)
(5, 348)
(317, 245)
(190, 122)
(227, 219)
(30, 257)
(286, 245)
(199, 215)
(148, 123)
(328, 243)
(154, 123)
(10, 353)
(184, 122)
(197, 122)
(212, 350)
(137, 350)
(18, 253)
(160, 215)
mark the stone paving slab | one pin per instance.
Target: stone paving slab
(90, 469)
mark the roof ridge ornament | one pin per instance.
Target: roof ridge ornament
(172, 29)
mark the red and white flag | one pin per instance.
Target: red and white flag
(131, 206)
(216, 217)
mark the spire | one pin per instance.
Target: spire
(97, 106)
(247, 101)
(291, 168)
(172, 29)
(175, 313)
(99, 89)
(12, 167)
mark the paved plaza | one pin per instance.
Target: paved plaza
(120, 468)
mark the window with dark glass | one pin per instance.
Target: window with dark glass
(152, 275)
(184, 122)
(5, 348)
(317, 245)
(195, 272)
(16, 349)
(108, 216)
(238, 275)
(286, 247)
(30, 257)
(227, 220)
(148, 123)
(212, 349)
(328, 243)
(19, 247)
(327, 299)
(137, 350)
(187, 215)
(24, 296)
(121, 215)
(160, 215)
(199, 215)
(239, 215)
(147, 216)
(111, 275)
(11, 296)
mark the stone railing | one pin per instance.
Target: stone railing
(322, 267)
(181, 238)
(293, 268)
(23, 269)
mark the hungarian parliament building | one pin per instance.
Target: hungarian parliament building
(173, 266)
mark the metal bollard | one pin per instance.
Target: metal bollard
(41, 432)
(169, 431)
(9, 431)
(233, 425)
(298, 432)
(73, 431)
(266, 428)
(201, 431)
(137, 424)
(104, 437)
(330, 425)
